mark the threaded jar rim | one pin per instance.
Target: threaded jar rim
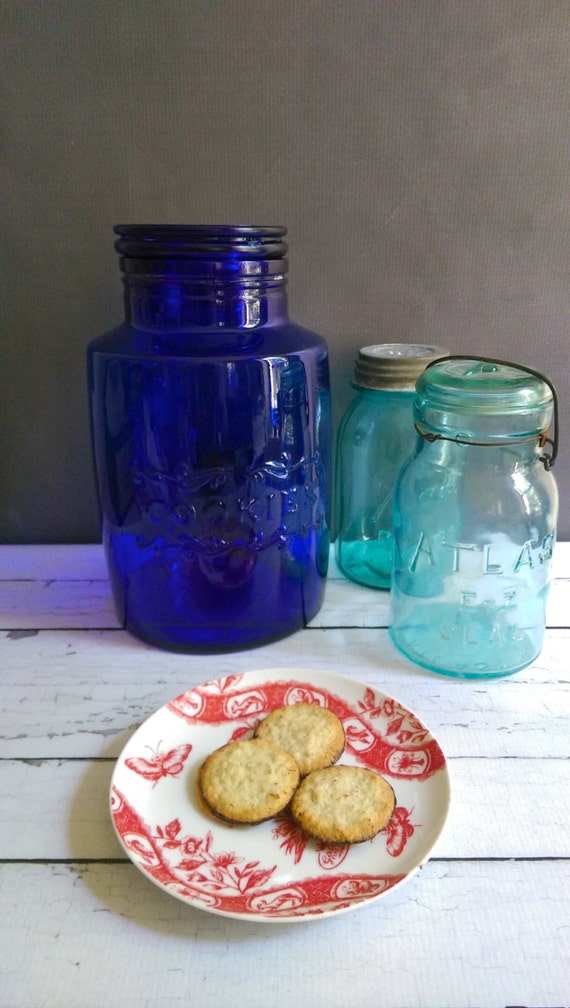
(240, 241)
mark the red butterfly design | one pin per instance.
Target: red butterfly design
(398, 831)
(160, 764)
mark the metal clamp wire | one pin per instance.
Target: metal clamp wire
(547, 459)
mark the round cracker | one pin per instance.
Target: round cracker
(343, 804)
(313, 735)
(248, 781)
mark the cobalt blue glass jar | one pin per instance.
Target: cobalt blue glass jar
(210, 416)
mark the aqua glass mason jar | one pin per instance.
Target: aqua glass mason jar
(211, 432)
(375, 437)
(475, 511)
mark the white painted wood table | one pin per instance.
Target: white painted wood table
(486, 922)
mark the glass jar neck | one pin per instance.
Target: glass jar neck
(384, 394)
(504, 457)
(170, 302)
(182, 279)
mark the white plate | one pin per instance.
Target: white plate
(273, 871)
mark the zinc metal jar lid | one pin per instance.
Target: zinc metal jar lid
(484, 401)
(394, 366)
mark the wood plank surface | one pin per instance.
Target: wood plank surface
(476, 934)
(484, 924)
(67, 586)
(80, 693)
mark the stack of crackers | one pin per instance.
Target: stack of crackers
(290, 762)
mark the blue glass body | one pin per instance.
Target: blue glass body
(474, 533)
(211, 428)
(375, 437)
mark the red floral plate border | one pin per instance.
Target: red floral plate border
(273, 871)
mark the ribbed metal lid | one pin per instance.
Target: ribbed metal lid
(395, 366)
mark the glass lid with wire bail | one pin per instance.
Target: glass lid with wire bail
(484, 401)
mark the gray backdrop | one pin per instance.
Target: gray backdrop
(417, 150)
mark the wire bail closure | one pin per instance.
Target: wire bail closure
(547, 458)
